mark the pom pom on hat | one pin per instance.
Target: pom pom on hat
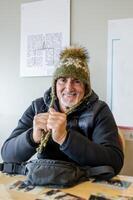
(75, 52)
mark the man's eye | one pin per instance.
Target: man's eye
(77, 81)
(62, 80)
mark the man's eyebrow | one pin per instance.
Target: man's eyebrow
(62, 77)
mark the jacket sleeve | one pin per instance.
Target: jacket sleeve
(103, 149)
(19, 147)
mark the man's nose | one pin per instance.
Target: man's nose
(69, 85)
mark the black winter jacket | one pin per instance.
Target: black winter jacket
(92, 136)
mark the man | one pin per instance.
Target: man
(81, 128)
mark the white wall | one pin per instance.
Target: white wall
(89, 20)
(15, 93)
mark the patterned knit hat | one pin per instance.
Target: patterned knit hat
(73, 63)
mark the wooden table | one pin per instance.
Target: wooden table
(83, 190)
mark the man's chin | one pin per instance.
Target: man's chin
(69, 105)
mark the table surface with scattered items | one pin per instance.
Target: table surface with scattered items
(118, 188)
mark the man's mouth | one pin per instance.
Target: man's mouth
(70, 94)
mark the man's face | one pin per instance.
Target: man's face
(69, 91)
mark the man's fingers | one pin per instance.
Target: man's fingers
(52, 110)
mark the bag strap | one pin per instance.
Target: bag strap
(102, 172)
(13, 168)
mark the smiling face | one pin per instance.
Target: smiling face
(69, 91)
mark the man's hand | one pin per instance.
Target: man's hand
(57, 123)
(39, 124)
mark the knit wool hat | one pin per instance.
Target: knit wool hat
(73, 62)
